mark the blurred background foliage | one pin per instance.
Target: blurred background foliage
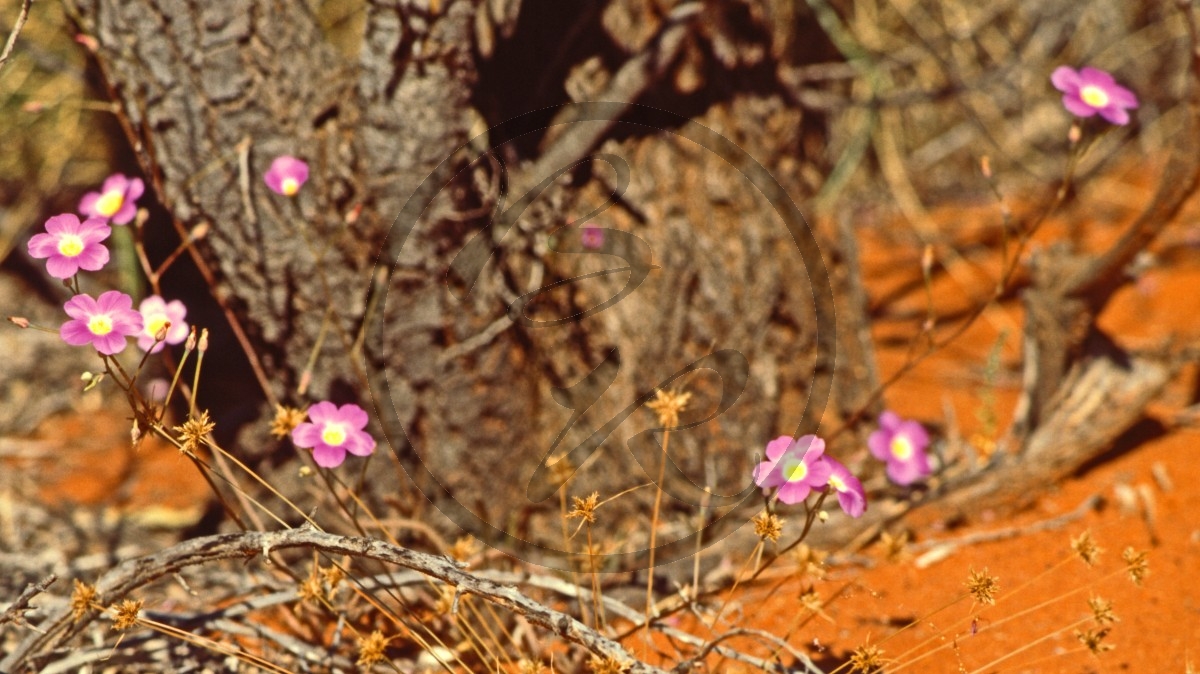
(909, 94)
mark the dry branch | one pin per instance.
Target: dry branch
(134, 573)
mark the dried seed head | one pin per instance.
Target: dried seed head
(125, 614)
(895, 548)
(1086, 548)
(286, 419)
(811, 561)
(667, 405)
(310, 588)
(1094, 640)
(768, 526)
(1102, 611)
(585, 509)
(1136, 565)
(982, 587)
(866, 659)
(531, 666)
(370, 649)
(83, 599)
(811, 600)
(465, 548)
(608, 665)
(193, 431)
(332, 575)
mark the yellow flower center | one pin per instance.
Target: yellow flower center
(100, 325)
(70, 245)
(1094, 96)
(333, 435)
(837, 483)
(155, 323)
(289, 186)
(795, 472)
(109, 203)
(902, 447)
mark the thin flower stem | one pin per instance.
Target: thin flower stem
(311, 363)
(195, 385)
(658, 492)
(562, 504)
(215, 447)
(175, 377)
(1028, 645)
(22, 17)
(756, 552)
(212, 645)
(597, 594)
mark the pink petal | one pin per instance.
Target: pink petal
(81, 307)
(767, 476)
(151, 305)
(915, 433)
(777, 447)
(1115, 115)
(792, 493)
(114, 300)
(94, 230)
(135, 190)
(1122, 97)
(812, 446)
(306, 435)
(818, 474)
(323, 412)
(1066, 80)
(1077, 107)
(75, 333)
(125, 214)
(353, 415)
(110, 344)
(878, 442)
(116, 182)
(1096, 77)
(93, 258)
(328, 457)
(175, 310)
(61, 267)
(852, 502)
(359, 443)
(87, 205)
(43, 245)
(128, 322)
(64, 223)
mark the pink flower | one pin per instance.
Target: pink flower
(116, 200)
(902, 445)
(104, 322)
(794, 467)
(286, 175)
(333, 432)
(849, 489)
(157, 313)
(592, 238)
(1091, 91)
(69, 245)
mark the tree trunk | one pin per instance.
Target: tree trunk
(449, 296)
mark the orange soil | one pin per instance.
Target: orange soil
(1044, 587)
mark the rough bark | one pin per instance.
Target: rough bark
(470, 398)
